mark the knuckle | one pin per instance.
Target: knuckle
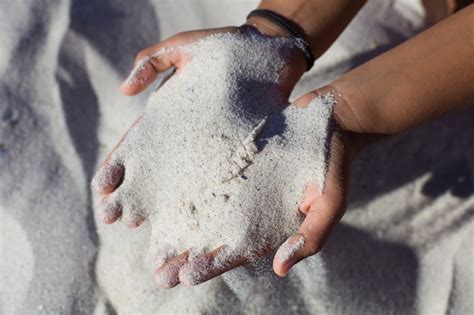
(133, 220)
(181, 34)
(315, 247)
(331, 205)
(138, 56)
(305, 99)
(312, 95)
(141, 54)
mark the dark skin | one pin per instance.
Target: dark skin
(420, 80)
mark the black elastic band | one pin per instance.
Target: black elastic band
(296, 35)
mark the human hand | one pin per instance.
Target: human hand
(114, 177)
(367, 111)
(152, 61)
(322, 210)
(378, 112)
(161, 57)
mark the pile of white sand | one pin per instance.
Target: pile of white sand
(219, 158)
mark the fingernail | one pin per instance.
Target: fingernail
(136, 75)
(107, 177)
(167, 277)
(109, 212)
(288, 250)
(196, 272)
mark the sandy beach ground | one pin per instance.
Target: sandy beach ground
(405, 246)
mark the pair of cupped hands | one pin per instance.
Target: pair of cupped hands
(321, 210)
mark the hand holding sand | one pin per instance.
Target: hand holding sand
(162, 56)
(361, 113)
(413, 83)
(218, 162)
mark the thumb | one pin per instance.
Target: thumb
(305, 99)
(310, 239)
(325, 210)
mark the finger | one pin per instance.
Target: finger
(311, 195)
(108, 177)
(323, 214)
(148, 65)
(167, 276)
(305, 99)
(286, 253)
(111, 173)
(308, 241)
(208, 266)
(161, 57)
(109, 211)
(133, 217)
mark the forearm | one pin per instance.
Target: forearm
(321, 20)
(425, 77)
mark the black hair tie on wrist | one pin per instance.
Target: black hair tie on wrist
(296, 33)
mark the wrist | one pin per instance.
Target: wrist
(321, 23)
(267, 27)
(354, 125)
(297, 62)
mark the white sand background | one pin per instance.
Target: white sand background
(405, 245)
